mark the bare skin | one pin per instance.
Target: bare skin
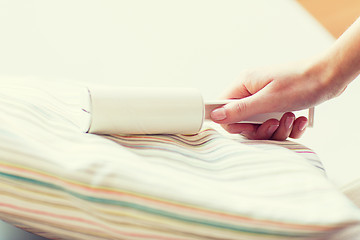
(289, 88)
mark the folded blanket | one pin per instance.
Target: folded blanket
(62, 183)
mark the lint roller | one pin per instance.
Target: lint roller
(136, 110)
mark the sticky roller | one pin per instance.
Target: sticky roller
(133, 110)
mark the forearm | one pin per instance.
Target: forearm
(341, 63)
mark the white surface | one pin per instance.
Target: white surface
(202, 44)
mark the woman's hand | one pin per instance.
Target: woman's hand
(291, 88)
(284, 89)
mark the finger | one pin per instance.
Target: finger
(266, 130)
(285, 128)
(238, 110)
(254, 131)
(246, 129)
(299, 127)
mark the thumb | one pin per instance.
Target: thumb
(239, 110)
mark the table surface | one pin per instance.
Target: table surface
(201, 44)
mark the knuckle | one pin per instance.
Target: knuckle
(236, 111)
(240, 107)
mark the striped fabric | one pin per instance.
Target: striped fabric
(64, 184)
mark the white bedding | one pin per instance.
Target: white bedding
(60, 182)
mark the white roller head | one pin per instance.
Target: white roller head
(126, 110)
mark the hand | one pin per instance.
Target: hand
(290, 88)
(285, 89)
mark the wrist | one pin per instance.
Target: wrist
(329, 77)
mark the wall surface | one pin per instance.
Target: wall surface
(335, 15)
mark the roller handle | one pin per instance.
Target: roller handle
(259, 118)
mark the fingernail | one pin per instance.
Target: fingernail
(272, 129)
(302, 125)
(289, 122)
(218, 114)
